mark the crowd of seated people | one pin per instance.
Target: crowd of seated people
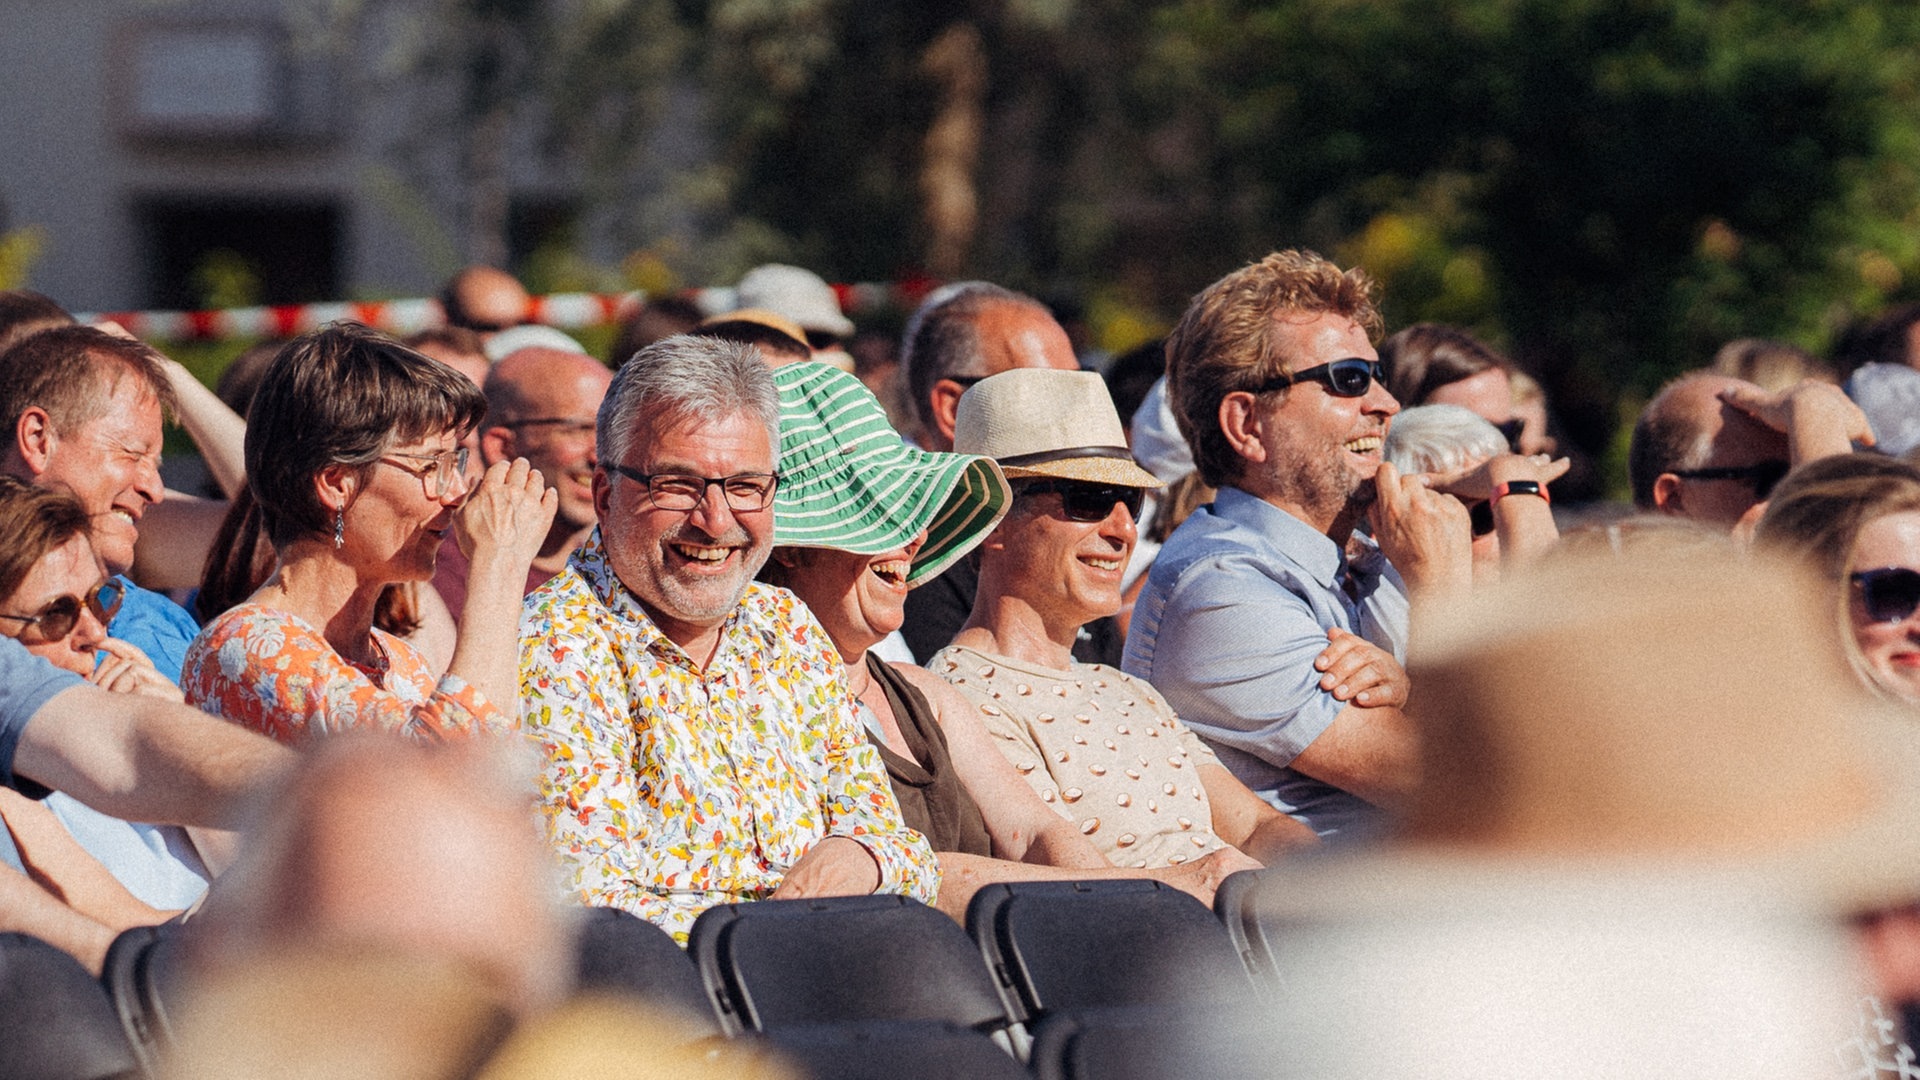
(484, 623)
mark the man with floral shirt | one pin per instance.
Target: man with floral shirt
(700, 745)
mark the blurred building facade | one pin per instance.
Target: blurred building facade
(172, 153)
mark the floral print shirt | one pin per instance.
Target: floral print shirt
(669, 789)
(274, 673)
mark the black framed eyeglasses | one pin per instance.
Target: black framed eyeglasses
(1761, 474)
(58, 617)
(1342, 378)
(743, 492)
(1889, 594)
(1084, 500)
(436, 472)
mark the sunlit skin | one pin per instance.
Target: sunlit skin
(73, 569)
(1891, 650)
(563, 391)
(112, 464)
(687, 568)
(1314, 453)
(859, 599)
(1487, 394)
(1011, 335)
(70, 569)
(395, 523)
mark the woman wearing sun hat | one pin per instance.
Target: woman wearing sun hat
(860, 518)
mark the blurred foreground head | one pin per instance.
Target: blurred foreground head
(378, 845)
(1652, 792)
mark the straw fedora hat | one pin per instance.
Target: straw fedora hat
(1669, 709)
(1651, 793)
(1047, 422)
(848, 481)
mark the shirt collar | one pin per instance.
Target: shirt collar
(591, 562)
(1285, 535)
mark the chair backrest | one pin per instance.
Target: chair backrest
(55, 1021)
(887, 1049)
(1060, 945)
(777, 963)
(1236, 903)
(620, 953)
(1148, 1042)
(137, 979)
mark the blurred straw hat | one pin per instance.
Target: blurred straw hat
(1671, 709)
(1047, 422)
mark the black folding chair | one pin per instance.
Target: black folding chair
(1150, 1042)
(889, 1049)
(620, 953)
(1065, 945)
(783, 963)
(55, 1021)
(142, 977)
(1237, 904)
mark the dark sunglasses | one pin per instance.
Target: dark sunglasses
(1480, 516)
(58, 618)
(1342, 378)
(1890, 593)
(1511, 431)
(1084, 501)
(1762, 475)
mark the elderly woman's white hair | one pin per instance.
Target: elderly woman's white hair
(1441, 438)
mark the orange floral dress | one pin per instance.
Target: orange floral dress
(272, 672)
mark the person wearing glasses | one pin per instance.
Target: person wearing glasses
(540, 406)
(1465, 452)
(861, 519)
(1101, 749)
(963, 333)
(56, 600)
(1854, 520)
(1273, 377)
(354, 461)
(700, 744)
(1710, 447)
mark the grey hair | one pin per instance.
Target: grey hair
(941, 341)
(1441, 438)
(685, 376)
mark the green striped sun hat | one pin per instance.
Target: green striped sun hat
(849, 482)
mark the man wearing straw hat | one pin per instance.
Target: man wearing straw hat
(700, 746)
(1277, 387)
(1100, 747)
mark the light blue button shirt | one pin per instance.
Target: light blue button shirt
(1234, 611)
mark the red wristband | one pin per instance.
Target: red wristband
(1519, 487)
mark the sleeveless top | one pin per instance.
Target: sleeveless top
(931, 797)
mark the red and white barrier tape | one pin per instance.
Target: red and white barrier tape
(566, 311)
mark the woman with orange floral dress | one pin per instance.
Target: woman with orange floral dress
(354, 458)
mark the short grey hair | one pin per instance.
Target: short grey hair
(1441, 438)
(941, 340)
(683, 377)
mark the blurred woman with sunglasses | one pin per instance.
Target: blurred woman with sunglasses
(56, 599)
(355, 462)
(1854, 519)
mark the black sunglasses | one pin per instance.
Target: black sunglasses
(1511, 430)
(1480, 516)
(1085, 501)
(1342, 378)
(1762, 475)
(58, 618)
(1890, 593)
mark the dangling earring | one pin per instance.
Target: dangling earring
(339, 527)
